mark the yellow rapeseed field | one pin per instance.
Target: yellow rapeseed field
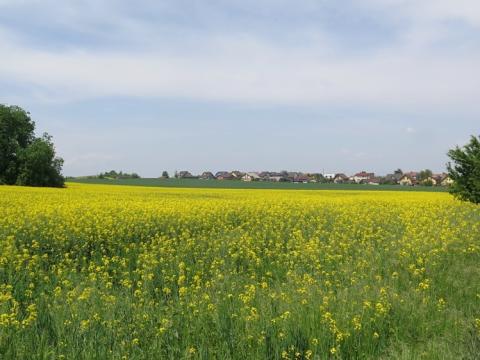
(118, 272)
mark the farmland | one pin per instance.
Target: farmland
(130, 272)
(237, 184)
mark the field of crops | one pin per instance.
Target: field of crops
(119, 272)
(263, 185)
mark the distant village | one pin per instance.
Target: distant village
(412, 178)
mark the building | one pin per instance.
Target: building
(237, 174)
(185, 175)
(223, 175)
(340, 179)
(207, 175)
(278, 178)
(301, 178)
(251, 176)
(409, 179)
(362, 177)
(392, 179)
(446, 180)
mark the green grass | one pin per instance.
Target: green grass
(236, 184)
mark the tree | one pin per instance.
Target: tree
(465, 171)
(425, 175)
(165, 175)
(16, 133)
(25, 159)
(38, 164)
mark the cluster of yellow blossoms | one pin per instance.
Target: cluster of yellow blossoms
(95, 271)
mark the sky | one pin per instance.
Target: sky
(308, 85)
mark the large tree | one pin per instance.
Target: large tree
(464, 170)
(16, 133)
(25, 159)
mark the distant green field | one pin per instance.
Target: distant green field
(235, 184)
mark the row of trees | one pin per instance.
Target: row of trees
(24, 158)
(112, 174)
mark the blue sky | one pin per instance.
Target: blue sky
(221, 85)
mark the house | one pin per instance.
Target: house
(340, 179)
(362, 177)
(207, 175)
(278, 178)
(237, 174)
(223, 175)
(374, 181)
(329, 176)
(264, 175)
(185, 175)
(431, 180)
(251, 176)
(316, 177)
(446, 180)
(409, 179)
(392, 179)
(301, 178)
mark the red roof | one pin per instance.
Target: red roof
(365, 174)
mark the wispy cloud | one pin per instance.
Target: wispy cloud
(249, 70)
(242, 66)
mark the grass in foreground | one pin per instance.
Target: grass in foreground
(96, 272)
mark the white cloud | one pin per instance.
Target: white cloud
(246, 68)
(429, 10)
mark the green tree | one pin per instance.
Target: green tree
(425, 175)
(165, 175)
(25, 159)
(464, 170)
(38, 164)
(16, 133)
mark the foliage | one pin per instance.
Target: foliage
(424, 176)
(38, 164)
(165, 175)
(25, 159)
(112, 174)
(16, 133)
(465, 171)
(112, 272)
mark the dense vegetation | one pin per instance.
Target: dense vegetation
(465, 171)
(99, 272)
(112, 174)
(24, 158)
